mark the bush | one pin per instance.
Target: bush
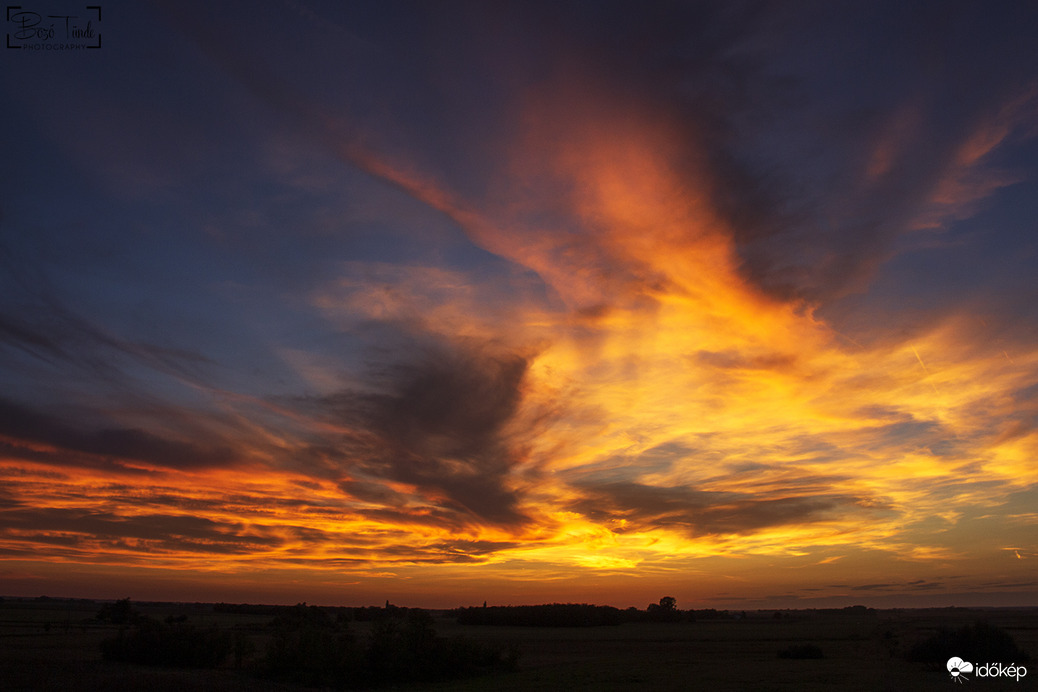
(411, 651)
(311, 648)
(801, 651)
(121, 612)
(311, 652)
(664, 611)
(180, 645)
(977, 642)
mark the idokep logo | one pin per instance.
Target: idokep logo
(958, 668)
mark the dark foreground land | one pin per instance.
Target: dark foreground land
(53, 644)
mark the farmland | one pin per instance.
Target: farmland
(54, 644)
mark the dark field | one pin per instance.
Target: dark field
(55, 645)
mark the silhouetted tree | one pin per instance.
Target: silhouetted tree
(310, 647)
(664, 611)
(150, 642)
(313, 648)
(121, 612)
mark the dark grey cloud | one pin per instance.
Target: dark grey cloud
(915, 585)
(910, 433)
(429, 514)
(109, 447)
(81, 527)
(443, 425)
(699, 513)
(439, 420)
(378, 493)
(1008, 584)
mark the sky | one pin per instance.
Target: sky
(522, 302)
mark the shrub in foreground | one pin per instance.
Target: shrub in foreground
(180, 645)
(311, 649)
(977, 642)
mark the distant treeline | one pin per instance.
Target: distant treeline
(548, 615)
(342, 613)
(581, 614)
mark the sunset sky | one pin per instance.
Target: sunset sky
(525, 302)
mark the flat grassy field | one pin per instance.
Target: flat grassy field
(55, 645)
(861, 653)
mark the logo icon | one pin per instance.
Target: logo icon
(957, 667)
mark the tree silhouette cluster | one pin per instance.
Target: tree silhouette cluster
(576, 614)
(174, 643)
(310, 646)
(121, 612)
(248, 609)
(357, 614)
(665, 611)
